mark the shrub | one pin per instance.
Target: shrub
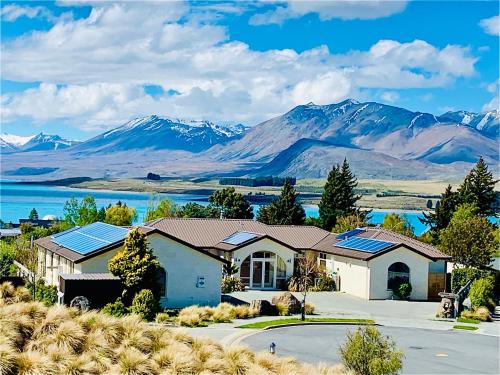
(282, 309)
(162, 318)
(482, 293)
(309, 308)
(194, 316)
(460, 277)
(481, 313)
(144, 304)
(231, 284)
(367, 352)
(44, 293)
(324, 284)
(402, 290)
(116, 308)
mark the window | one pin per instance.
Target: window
(245, 271)
(397, 273)
(322, 262)
(161, 278)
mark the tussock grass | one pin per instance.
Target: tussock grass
(197, 316)
(39, 340)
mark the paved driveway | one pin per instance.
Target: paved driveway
(426, 351)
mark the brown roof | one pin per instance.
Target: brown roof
(209, 233)
(327, 245)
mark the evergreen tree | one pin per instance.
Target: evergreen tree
(440, 218)
(338, 197)
(478, 188)
(33, 214)
(285, 210)
(192, 209)
(231, 205)
(136, 266)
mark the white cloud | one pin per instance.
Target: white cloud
(12, 12)
(93, 70)
(390, 96)
(326, 10)
(491, 25)
(493, 104)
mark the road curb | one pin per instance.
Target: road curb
(319, 324)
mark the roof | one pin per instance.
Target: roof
(210, 233)
(327, 245)
(89, 276)
(10, 232)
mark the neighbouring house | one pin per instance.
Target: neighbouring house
(365, 262)
(78, 258)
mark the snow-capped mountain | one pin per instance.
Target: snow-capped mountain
(38, 142)
(153, 132)
(487, 123)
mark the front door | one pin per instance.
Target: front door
(262, 273)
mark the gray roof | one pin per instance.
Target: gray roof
(89, 276)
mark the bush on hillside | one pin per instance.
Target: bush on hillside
(144, 304)
(36, 339)
(367, 352)
(231, 284)
(116, 308)
(482, 293)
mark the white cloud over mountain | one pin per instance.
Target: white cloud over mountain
(94, 70)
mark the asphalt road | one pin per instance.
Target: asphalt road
(426, 351)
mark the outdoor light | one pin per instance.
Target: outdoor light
(272, 348)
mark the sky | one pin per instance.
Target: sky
(78, 68)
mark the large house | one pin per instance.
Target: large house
(364, 262)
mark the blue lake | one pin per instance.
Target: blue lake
(17, 200)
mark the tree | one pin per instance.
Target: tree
(440, 218)
(307, 268)
(231, 205)
(82, 213)
(158, 209)
(196, 210)
(285, 210)
(367, 352)
(120, 214)
(136, 266)
(469, 239)
(338, 197)
(33, 214)
(349, 222)
(479, 188)
(398, 223)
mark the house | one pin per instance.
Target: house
(81, 255)
(365, 262)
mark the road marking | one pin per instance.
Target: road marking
(441, 355)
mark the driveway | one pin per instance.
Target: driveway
(426, 351)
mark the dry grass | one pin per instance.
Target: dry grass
(481, 313)
(309, 308)
(39, 340)
(196, 316)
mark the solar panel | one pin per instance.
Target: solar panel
(364, 244)
(350, 233)
(89, 238)
(239, 237)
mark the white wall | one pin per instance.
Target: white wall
(354, 276)
(99, 263)
(183, 266)
(419, 273)
(266, 244)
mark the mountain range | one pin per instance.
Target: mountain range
(38, 142)
(379, 141)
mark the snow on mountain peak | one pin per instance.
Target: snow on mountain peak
(16, 140)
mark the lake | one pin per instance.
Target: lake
(17, 200)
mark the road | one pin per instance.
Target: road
(426, 351)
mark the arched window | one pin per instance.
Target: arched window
(397, 273)
(161, 278)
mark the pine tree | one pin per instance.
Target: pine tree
(338, 197)
(285, 210)
(33, 214)
(478, 188)
(440, 218)
(231, 205)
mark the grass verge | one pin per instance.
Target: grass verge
(468, 320)
(279, 322)
(466, 328)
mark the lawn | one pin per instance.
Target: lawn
(278, 322)
(468, 320)
(466, 328)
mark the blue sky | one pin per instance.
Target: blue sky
(77, 69)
